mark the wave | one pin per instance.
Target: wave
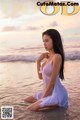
(74, 55)
(16, 58)
(33, 58)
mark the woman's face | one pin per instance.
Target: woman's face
(48, 44)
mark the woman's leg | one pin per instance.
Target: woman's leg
(36, 106)
(30, 99)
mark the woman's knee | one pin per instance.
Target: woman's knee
(27, 99)
(30, 99)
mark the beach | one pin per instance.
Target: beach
(22, 24)
(19, 80)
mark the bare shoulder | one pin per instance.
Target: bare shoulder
(57, 57)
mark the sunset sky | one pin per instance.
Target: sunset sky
(23, 15)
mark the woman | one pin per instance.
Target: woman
(51, 71)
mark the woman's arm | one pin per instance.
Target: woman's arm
(41, 57)
(57, 60)
(38, 69)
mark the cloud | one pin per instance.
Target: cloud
(9, 28)
(53, 24)
(17, 8)
(32, 28)
(22, 28)
(28, 27)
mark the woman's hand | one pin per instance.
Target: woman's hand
(42, 56)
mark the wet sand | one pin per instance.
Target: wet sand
(19, 80)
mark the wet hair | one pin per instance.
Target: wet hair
(57, 46)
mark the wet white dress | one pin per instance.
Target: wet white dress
(59, 94)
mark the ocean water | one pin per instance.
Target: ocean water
(14, 48)
(18, 77)
(19, 80)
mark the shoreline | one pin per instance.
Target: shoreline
(19, 80)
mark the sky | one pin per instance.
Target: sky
(25, 16)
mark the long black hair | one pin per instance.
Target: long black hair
(57, 46)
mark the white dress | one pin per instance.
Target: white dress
(59, 94)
